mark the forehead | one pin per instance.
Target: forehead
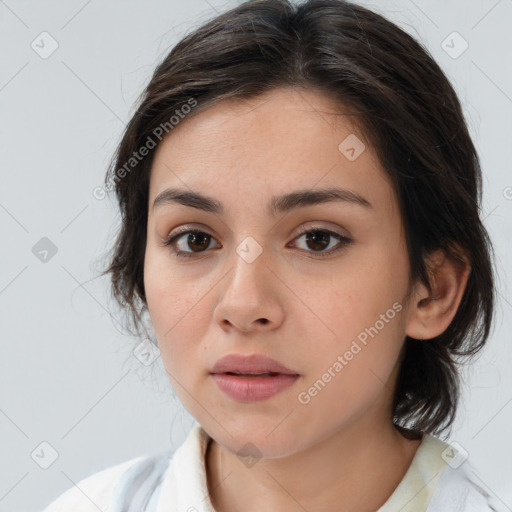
(283, 139)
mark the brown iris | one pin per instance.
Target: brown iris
(318, 237)
(200, 239)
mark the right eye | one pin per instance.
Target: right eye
(195, 238)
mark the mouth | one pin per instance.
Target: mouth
(252, 374)
(249, 378)
(250, 365)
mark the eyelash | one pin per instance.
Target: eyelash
(171, 240)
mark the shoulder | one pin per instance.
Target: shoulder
(458, 486)
(96, 491)
(440, 479)
(142, 483)
(459, 489)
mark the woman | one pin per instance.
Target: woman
(299, 195)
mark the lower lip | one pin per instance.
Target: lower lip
(251, 389)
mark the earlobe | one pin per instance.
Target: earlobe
(430, 314)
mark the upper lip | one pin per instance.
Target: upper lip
(254, 363)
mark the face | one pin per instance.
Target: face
(319, 287)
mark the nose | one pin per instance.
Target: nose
(251, 296)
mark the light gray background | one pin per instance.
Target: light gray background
(68, 375)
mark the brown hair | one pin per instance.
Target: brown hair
(409, 113)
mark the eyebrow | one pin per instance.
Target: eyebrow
(277, 204)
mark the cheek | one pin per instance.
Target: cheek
(354, 300)
(353, 368)
(360, 315)
(175, 304)
(170, 292)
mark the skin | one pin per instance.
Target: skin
(327, 454)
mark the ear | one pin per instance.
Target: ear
(431, 314)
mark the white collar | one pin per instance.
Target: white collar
(425, 487)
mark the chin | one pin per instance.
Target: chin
(253, 442)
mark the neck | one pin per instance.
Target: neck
(354, 470)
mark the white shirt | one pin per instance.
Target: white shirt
(176, 482)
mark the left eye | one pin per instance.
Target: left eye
(317, 239)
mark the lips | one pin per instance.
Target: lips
(252, 365)
(251, 378)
